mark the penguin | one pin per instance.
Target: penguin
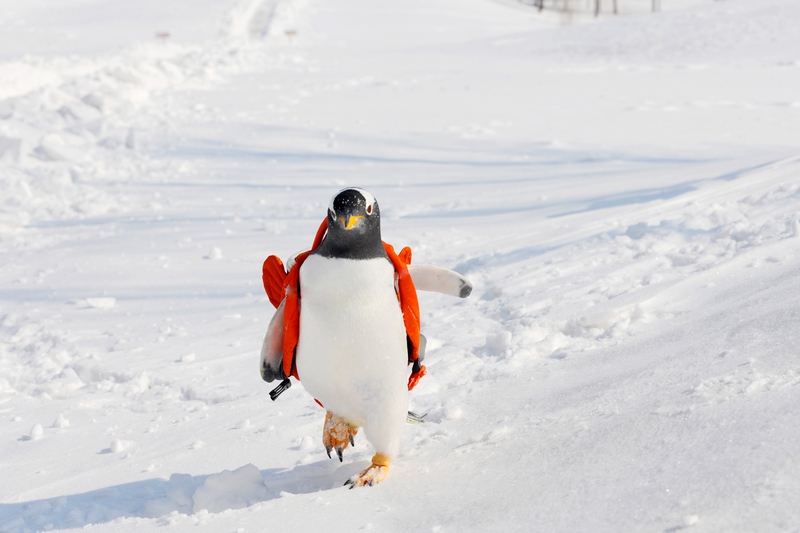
(352, 349)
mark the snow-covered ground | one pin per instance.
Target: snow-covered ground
(624, 194)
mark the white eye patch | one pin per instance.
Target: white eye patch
(368, 198)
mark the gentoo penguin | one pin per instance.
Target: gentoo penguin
(352, 352)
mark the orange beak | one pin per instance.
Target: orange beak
(351, 221)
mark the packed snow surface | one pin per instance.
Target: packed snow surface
(623, 193)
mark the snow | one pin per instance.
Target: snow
(622, 192)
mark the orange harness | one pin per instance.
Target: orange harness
(283, 287)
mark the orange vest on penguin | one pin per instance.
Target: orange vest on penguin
(281, 286)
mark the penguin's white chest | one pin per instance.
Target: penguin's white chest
(352, 352)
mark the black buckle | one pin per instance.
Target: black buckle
(277, 391)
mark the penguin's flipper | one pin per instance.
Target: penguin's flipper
(376, 472)
(272, 348)
(337, 434)
(438, 279)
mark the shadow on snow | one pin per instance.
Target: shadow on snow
(155, 498)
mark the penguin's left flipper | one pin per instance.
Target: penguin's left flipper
(272, 348)
(376, 472)
(438, 279)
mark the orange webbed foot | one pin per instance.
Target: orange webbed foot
(337, 434)
(376, 472)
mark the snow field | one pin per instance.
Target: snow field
(622, 194)
(69, 122)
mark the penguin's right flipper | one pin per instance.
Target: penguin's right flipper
(438, 279)
(272, 348)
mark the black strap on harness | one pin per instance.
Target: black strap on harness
(277, 391)
(285, 384)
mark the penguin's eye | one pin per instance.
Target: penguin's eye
(369, 209)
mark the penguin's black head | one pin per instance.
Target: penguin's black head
(354, 226)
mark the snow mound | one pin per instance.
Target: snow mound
(235, 489)
(230, 490)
